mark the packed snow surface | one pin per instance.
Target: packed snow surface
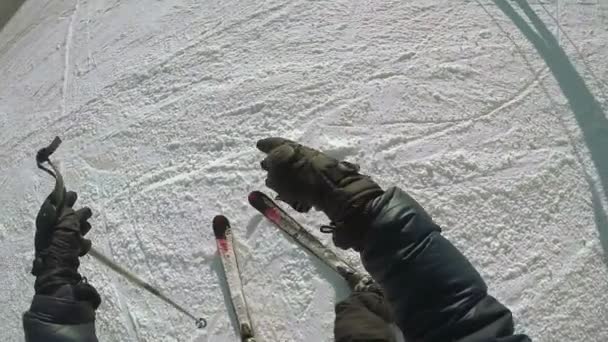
(160, 103)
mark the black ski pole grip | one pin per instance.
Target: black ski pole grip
(45, 152)
(58, 194)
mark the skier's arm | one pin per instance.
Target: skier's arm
(436, 293)
(63, 308)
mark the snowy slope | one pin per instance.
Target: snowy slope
(160, 103)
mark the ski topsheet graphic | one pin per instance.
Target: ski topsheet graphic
(271, 210)
(225, 247)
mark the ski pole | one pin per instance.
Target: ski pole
(200, 322)
(59, 193)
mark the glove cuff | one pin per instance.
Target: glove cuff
(352, 229)
(62, 307)
(350, 196)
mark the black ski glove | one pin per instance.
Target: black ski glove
(304, 178)
(59, 242)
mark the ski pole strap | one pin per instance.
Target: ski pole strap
(43, 157)
(327, 229)
(44, 153)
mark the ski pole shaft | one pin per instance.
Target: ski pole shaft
(200, 322)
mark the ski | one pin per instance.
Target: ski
(292, 228)
(225, 247)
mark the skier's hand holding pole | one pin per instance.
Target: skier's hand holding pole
(64, 305)
(365, 316)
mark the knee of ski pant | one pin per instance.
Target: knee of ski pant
(363, 316)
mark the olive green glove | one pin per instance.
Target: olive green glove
(304, 178)
(364, 316)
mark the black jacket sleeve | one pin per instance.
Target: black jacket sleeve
(435, 292)
(59, 318)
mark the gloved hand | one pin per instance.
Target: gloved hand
(364, 316)
(304, 178)
(59, 242)
(360, 282)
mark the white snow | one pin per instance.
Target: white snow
(160, 104)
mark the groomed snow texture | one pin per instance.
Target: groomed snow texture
(160, 103)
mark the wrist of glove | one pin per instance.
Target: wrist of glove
(305, 178)
(59, 242)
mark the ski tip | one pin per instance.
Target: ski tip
(254, 196)
(220, 225)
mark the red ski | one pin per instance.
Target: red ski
(288, 225)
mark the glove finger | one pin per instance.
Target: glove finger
(277, 156)
(374, 303)
(84, 228)
(271, 184)
(263, 165)
(358, 316)
(367, 284)
(280, 156)
(301, 207)
(351, 277)
(83, 291)
(70, 198)
(342, 240)
(348, 166)
(45, 223)
(85, 246)
(277, 184)
(84, 214)
(269, 144)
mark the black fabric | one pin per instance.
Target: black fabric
(63, 308)
(60, 317)
(363, 317)
(306, 178)
(38, 331)
(436, 294)
(58, 243)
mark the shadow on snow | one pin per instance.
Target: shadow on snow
(587, 111)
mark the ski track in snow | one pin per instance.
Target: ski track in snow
(160, 104)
